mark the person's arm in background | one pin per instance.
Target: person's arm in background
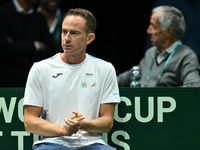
(190, 71)
(17, 46)
(45, 40)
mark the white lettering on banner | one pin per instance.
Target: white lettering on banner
(118, 142)
(7, 110)
(21, 110)
(7, 113)
(105, 137)
(162, 110)
(35, 137)
(20, 135)
(150, 110)
(128, 115)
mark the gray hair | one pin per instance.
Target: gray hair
(171, 17)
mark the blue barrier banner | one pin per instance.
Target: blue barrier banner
(146, 119)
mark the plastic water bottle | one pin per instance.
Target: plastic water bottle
(135, 77)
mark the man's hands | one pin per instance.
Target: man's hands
(73, 124)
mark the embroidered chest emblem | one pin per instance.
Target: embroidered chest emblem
(57, 75)
(84, 85)
(94, 85)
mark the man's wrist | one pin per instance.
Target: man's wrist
(66, 129)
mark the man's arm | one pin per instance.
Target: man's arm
(102, 124)
(34, 124)
(190, 71)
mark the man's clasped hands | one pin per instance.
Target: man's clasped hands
(73, 124)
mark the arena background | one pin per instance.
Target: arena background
(121, 29)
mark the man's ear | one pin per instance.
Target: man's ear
(90, 38)
(170, 31)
